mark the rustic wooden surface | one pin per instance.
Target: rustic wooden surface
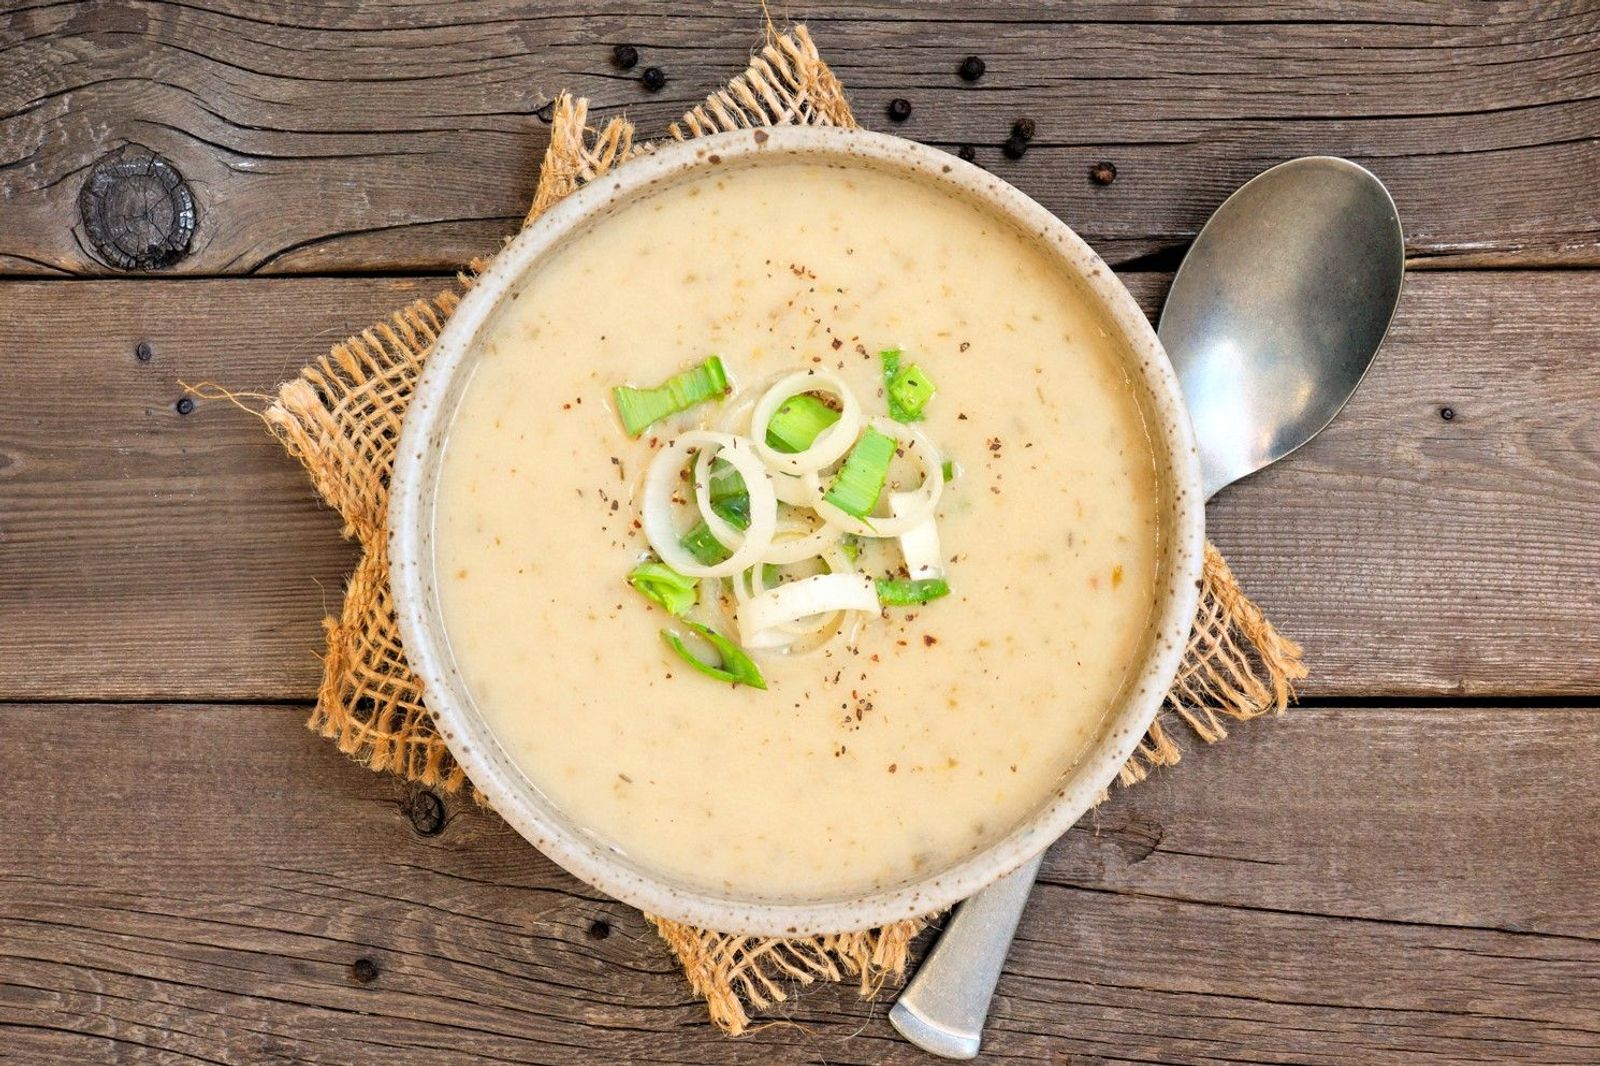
(1401, 870)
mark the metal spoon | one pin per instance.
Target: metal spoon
(1271, 323)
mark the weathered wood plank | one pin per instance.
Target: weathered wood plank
(144, 550)
(1339, 886)
(359, 136)
(145, 554)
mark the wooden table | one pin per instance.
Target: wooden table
(1403, 869)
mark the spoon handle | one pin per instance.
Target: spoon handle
(943, 1008)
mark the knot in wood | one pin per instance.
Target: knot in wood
(137, 210)
(426, 812)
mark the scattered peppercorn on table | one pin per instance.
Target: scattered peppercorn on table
(1401, 869)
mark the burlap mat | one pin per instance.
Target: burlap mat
(341, 418)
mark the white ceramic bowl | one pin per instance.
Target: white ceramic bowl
(520, 802)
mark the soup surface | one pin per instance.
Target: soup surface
(942, 726)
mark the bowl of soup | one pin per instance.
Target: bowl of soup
(795, 530)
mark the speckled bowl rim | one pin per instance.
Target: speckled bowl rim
(583, 853)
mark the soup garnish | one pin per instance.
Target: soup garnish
(752, 494)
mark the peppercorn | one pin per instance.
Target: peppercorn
(653, 78)
(1015, 147)
(1103, 173)
(1023, 128)
(971, 68)
(899, 109)
(625, 56)
(967, 152)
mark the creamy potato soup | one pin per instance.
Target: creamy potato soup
(890, 739)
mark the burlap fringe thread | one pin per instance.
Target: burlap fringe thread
(341, 418)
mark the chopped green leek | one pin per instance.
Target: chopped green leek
(850, 545)
(899, 592)
(734, 510)
(729, 498)
(948, 468)
(736, 668)
(907, 388)
(706, 549)
(640, 408)
(796, 423)
(662, 584)
(860, 481)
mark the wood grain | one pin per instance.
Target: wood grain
(341, 137)
(150, 555)
(142, 550)
(208, 883)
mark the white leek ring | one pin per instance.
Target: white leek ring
(811, 542)
(919, 545)
(662, 480)
(830, 444)
(762, 617)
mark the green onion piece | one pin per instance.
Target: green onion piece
(662, 584)
(948, 468)
(737, 668)
(907, 388)
(706, 549)
(729, 498)
(796, 423)
(725, 481)
(640, 408)
(891, 362)
(770, 574)
(899, 592)
(734, 510)
(860, 481)
(850, 545)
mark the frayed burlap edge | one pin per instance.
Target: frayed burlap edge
(341, 417)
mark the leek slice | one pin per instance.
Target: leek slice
(641, 408)
(860, 481)
(897, 592)
(907, 388)
(661, 584)
(797, 423)
(736, 668)
(706, 549)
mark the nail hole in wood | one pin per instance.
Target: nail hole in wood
(599, 929)
(364, 971)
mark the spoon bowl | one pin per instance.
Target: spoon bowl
(1278, 309)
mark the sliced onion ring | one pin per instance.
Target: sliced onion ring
(796, 491)
(919, 545)
(762, 617)
(830, 444)
(726, 534)
(752, 582)
(662, 480)
(812, 541)
(918, 504)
